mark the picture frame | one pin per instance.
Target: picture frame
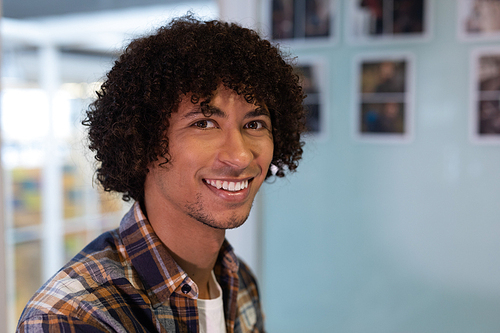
(478, 20)
(312, 72)
(384, 98)
(388, 21)
(300, 22)
(485, 95)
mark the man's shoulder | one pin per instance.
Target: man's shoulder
(250, 317)
(248, 291)
(102, 260)
(246, 276)
(100, 273)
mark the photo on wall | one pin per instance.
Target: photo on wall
(479, 19)
(485, 101)
(371, 20)
(311, 77)
(302, 19)
(383, 106)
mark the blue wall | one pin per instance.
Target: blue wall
(379, 237)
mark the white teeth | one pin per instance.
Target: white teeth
(228, 186)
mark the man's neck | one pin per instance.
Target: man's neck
(194, 245)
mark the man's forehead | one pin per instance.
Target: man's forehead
(212, 110)
(193, 104)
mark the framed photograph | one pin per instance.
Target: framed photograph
(389, 20)
(478, 19)
(312, 76)
(302, 20)
(384, 98)
(485, 99)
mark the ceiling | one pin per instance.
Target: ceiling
(91, 26)
(87, 34)
(22, 9)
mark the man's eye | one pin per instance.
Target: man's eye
(255, 125)
(205, 123)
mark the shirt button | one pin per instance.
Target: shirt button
(186, 288)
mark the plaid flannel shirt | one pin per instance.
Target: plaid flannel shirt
(126, 281)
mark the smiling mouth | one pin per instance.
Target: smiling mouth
(227, 185)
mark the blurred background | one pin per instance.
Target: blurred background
(391, 223)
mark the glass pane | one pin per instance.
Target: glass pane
(27, 268)
(74, 243)
(26, 196)
(110, 203)
(73, 187)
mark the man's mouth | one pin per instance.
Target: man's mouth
(227, 185)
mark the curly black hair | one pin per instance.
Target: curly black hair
(127, 121)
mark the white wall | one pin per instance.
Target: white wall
(379, 237)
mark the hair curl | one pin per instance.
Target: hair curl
(127, 121)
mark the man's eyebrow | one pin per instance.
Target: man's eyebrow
(215, 111)
(260, 111)
(211, 110)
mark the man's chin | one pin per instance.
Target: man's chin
(222, 222)
(231, 223)
(226, 218)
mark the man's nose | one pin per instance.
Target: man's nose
(235, 150)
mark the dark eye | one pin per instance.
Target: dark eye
(255, 125)
(205, 123)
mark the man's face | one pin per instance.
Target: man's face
(217, 163)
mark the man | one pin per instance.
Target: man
(189, 122)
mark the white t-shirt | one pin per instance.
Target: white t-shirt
(211, 311)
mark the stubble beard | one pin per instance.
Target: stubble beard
(197, 211)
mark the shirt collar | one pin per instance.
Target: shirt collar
(158, 271)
